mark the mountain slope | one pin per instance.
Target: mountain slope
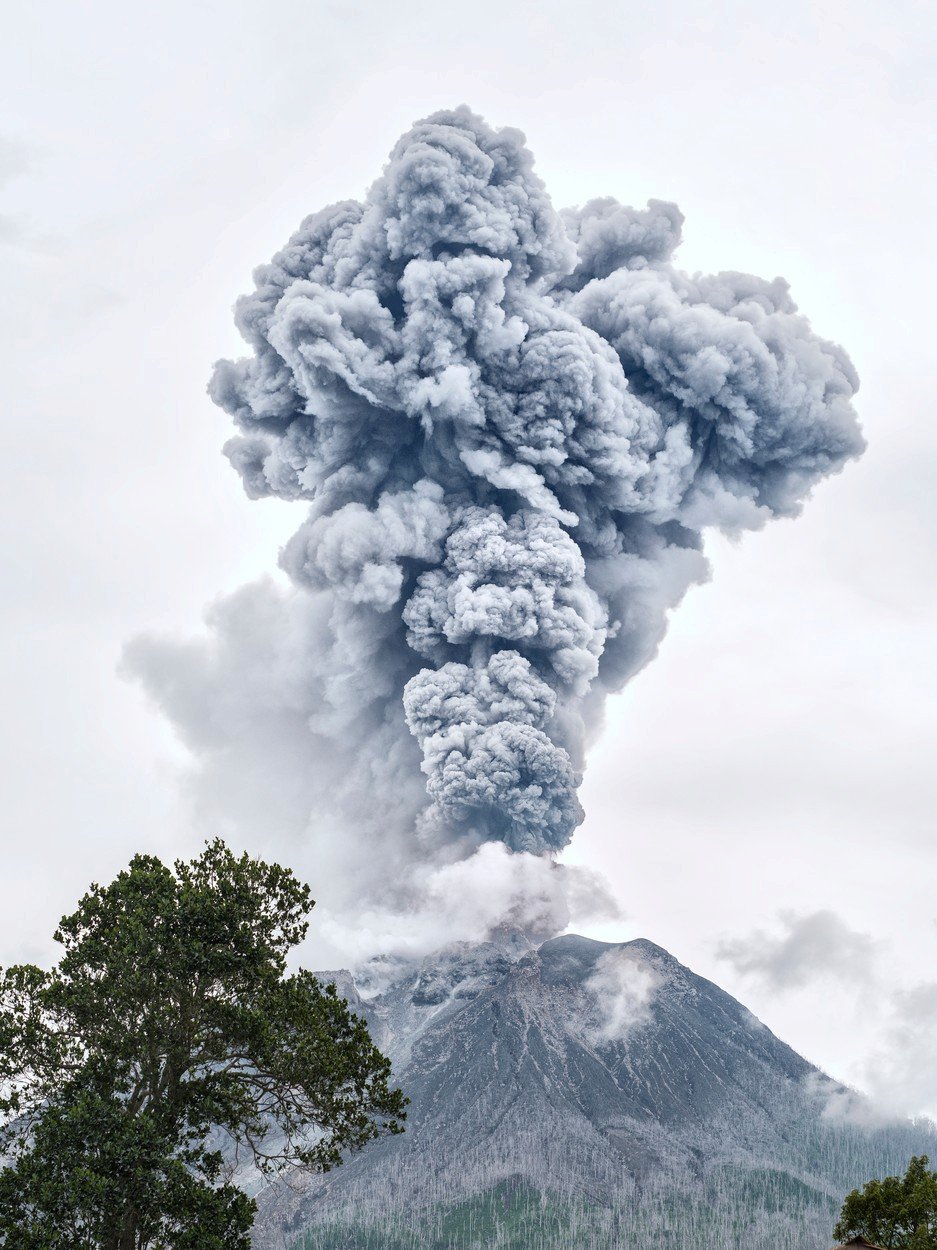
(584, 1094)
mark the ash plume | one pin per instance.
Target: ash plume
(513, 427)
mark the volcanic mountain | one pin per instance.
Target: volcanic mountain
(588, 1096)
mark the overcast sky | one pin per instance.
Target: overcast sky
(763, 798)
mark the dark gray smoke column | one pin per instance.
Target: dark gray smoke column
(513, 427)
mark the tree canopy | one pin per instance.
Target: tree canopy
(897, 1213)
(168, 1048)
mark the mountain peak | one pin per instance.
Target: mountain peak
(602, 1094)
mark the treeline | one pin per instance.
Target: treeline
(556, 1193)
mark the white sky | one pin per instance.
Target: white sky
(779, 755)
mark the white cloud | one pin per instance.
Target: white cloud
(465, 901)
(890, 1027)
(901, 1073)
(818, 944)
(623, 986)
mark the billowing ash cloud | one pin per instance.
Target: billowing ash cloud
(513, 427)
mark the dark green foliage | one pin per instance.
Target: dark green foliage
(897, 1213)
(93, 1176)
(171, 1027)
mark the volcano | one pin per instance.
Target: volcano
(589, 1096)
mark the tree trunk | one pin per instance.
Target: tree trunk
(125, 1237)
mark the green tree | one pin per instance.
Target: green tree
(898, 1213)
(168, 1047)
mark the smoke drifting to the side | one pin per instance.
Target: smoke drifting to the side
(513, 427)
